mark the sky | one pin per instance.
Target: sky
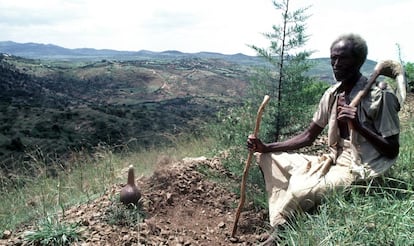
(223, 26)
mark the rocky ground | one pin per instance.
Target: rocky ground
(179, 205)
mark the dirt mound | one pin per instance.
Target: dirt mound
(180, 206)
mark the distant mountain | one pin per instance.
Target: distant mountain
(52, 52)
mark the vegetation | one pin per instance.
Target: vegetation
(293, 93)
(377, 213)
(118, 215)
(97, 113)
(291, 90)
(374, 213)
(60, 108)
(381, 212)
(43, 195)
(409, 69)
(52, 232)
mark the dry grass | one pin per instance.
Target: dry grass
(88, 178)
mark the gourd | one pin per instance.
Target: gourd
(130, 194)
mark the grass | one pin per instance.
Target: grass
(44, 195)
(356, 218)
(377, 213)
(52, 232)
(116, 214)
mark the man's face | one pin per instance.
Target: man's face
(344, 65)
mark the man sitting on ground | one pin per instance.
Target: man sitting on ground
(296, 182)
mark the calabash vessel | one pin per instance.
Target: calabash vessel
(130, 194)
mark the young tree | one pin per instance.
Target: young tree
(409, 72)
(294, 94)
(285, 80)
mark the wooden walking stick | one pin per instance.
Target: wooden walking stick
(247, 166)
(388, 68)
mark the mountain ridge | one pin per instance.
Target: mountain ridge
(40, 51)
(52, 51)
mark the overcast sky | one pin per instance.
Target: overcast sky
(224, 26)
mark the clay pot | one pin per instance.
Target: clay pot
(130, 194)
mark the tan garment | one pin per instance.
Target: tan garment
(378, 111)
(296, 182)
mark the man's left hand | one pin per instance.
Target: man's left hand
(347, 112)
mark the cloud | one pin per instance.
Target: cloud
(192, 26)
(381, 23)
(34, 13)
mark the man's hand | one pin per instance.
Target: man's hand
(388, 146)
(347, 113)
(255, 145)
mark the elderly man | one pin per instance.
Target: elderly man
(363, 140)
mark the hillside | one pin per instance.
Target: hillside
(53, 107)
(182, 206)
(56, 106)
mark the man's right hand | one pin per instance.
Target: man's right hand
(255, 145)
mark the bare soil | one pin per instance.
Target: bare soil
(180, 207)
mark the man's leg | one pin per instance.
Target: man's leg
(277, 169)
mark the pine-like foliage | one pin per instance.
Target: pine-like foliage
(285, 80)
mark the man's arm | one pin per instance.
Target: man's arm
(306, 138)
(388, 146)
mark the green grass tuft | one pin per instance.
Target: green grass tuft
(121, 215)
(53, 232)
